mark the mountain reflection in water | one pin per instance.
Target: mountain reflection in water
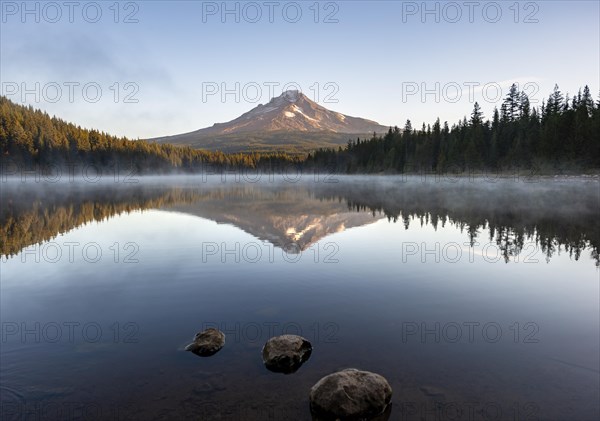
(555, 214)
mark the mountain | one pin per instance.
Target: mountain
(288, 122)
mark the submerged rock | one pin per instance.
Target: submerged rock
(351, 394)
(286, 353)
(207, 342)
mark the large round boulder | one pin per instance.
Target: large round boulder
(207, 343)
(350, 394)
(286, 353)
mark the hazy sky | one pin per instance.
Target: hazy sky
(158, 63)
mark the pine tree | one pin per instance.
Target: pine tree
(512, 103)
(476, 115)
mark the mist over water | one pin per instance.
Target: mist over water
(471, 295)
(551, 211)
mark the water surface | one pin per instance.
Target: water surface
(476, 299)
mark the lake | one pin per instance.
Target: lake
(476, 297)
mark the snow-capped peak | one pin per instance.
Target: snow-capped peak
(294, 112)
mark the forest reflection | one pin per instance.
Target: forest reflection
(556, 215)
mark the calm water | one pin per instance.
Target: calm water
(475, 299)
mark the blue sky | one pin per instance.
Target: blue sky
(374, 62)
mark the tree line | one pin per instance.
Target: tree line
(32, 139)
(562, 135)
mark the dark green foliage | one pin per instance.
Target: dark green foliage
(32, 139)
(562, 136)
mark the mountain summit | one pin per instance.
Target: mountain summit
(293, 111)
(289, 121)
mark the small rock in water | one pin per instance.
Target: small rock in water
(286, 353)
(351, 394)
(207, 342)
